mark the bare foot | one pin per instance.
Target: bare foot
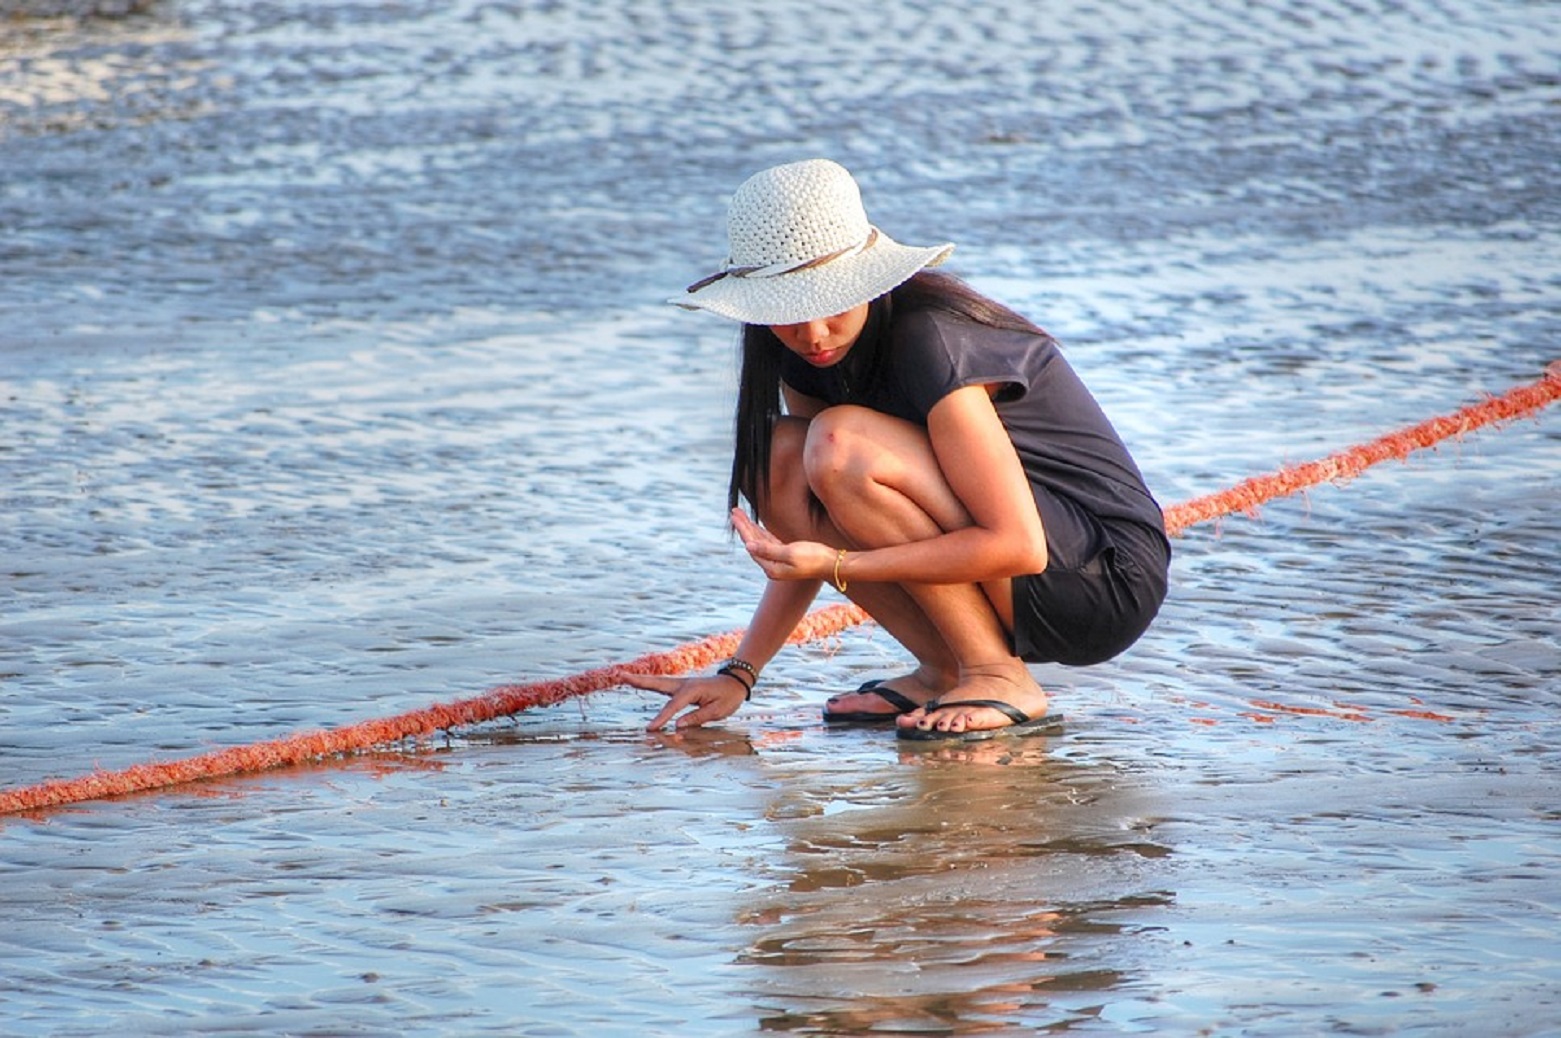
(1011, 684)
(917, 686)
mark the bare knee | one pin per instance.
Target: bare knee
(839, 456)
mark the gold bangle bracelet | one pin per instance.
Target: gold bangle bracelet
(840, 584)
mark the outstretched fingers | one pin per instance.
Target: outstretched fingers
(780, 560)
(706, 698)
(760, 543)
(653, 682)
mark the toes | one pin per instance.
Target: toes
(944, 720)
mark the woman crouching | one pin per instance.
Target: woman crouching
(931, 454)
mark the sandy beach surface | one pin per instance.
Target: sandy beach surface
(336, 380)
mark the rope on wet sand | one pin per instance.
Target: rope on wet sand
(1346, 464)
(509, 699)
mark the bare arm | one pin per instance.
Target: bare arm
(712, 697)
(780, 609)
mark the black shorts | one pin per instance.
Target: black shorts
(1089, 607)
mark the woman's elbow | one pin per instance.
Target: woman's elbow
(1034, 561)
(1028, 555)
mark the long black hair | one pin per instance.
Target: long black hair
(759, 384)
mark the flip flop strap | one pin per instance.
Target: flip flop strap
(901, 703)
(1014, 713)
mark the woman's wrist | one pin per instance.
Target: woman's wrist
(742, 672)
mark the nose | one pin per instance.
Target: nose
(814, 333)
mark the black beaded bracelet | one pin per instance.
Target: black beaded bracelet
(735, 668)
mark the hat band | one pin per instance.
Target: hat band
(773, 270)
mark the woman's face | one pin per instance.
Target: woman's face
(825, 342)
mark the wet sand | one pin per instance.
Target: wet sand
(337, 382)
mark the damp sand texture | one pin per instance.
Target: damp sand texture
(336, 381)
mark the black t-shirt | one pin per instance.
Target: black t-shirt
(1069, 449)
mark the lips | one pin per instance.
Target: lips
(823, 358)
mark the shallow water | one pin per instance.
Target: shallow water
(336, 381)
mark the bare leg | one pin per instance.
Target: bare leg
(788, 514)
(881, 484)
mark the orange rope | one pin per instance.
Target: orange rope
(1336, 468)
(496, 702)
(509, 699)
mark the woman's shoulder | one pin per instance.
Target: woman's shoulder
(957, 334)
(926, 320)
(934, 327)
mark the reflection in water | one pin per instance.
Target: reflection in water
(336, 381)
(962, 894)
(705, 742)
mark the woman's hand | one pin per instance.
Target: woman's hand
(712, 698)
(799, 560)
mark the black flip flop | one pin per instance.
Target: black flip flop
(1023, 724)
(901, 704)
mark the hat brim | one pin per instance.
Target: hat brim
(817, 292)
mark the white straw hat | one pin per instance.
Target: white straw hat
(802, 249)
